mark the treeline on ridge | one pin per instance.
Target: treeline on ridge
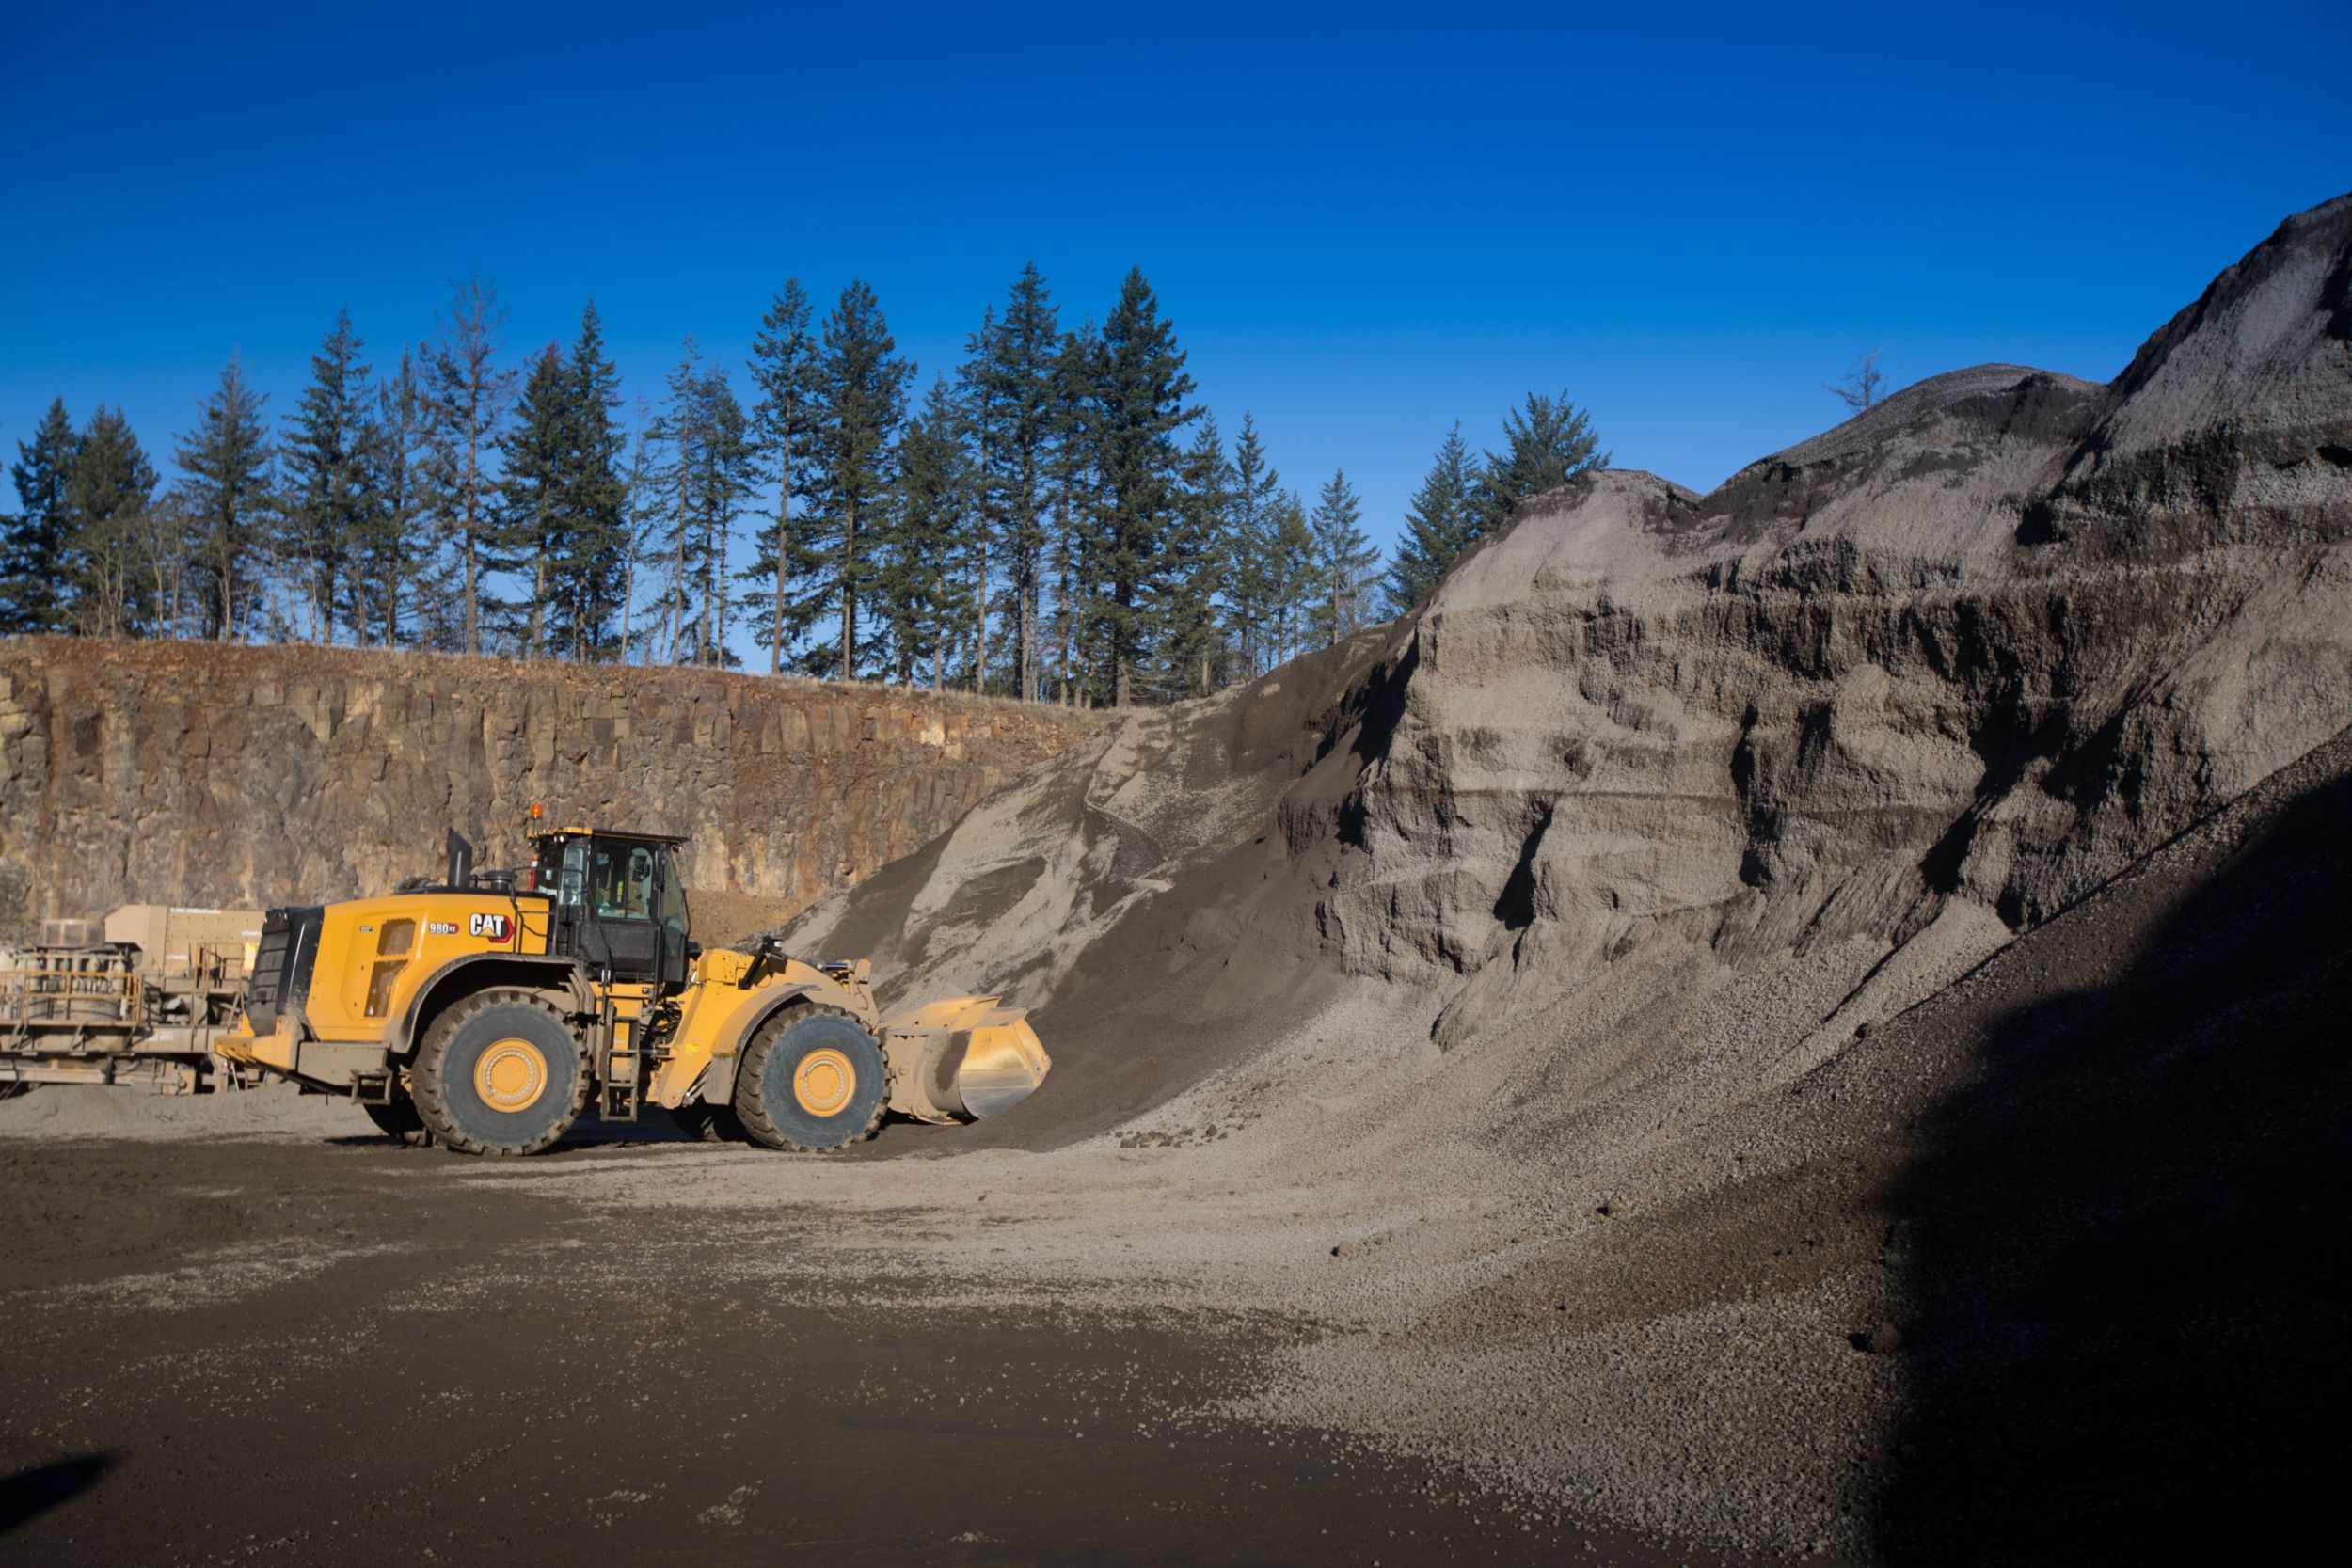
(1056, 521)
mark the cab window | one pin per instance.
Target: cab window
(621, 882)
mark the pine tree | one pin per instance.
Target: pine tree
(919, 595)
(227, 459)
(467, 392)
(32, 557)
(1073, 467)
(1441, 519)
(1297, 587)
(641, 509)
(1255, 591)
(1142, 407)
(526, 536)
(980, 420)
(592, 561)
(784, 368)
(1547, 443)
(105, 491)
(329, 479)
(561, 524)
(387, 553)
(861, 399)
(1198, 562)
(1344, 560)
(1017, 365)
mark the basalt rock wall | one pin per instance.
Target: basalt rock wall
(193, 772)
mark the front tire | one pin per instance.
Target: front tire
(499, 1074)
(812, 1079)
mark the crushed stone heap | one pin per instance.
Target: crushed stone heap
(1560, 938)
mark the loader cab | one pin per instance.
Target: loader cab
(618, 903)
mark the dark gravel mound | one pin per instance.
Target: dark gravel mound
(2128, 1294)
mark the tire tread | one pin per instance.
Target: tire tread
(426, 1089)
(753, 1116)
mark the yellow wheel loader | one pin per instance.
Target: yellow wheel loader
(486, 1014)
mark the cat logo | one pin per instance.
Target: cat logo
(491, 928)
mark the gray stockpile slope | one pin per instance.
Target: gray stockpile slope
(1513, 939)
(1868, 692)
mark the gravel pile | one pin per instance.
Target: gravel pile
(1524, 999)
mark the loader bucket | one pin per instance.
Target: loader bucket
(961, 1058)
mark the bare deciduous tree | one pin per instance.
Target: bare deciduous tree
(1859, 390)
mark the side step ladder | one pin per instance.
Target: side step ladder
(618, 1066)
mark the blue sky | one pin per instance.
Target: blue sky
(1366, 221)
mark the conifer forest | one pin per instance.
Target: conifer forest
(1055, 518)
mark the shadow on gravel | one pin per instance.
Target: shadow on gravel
(29, 1493)
(2126, 1249)
(655, 1128)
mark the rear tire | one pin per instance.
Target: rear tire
(499, 1074)
(399, 1122)
(812, 1079)
(711, 1124)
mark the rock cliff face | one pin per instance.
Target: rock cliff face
(197, 773)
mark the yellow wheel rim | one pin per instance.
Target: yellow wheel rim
(824, 1082)
(511, 1075)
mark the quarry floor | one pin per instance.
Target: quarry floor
(299, 1344)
